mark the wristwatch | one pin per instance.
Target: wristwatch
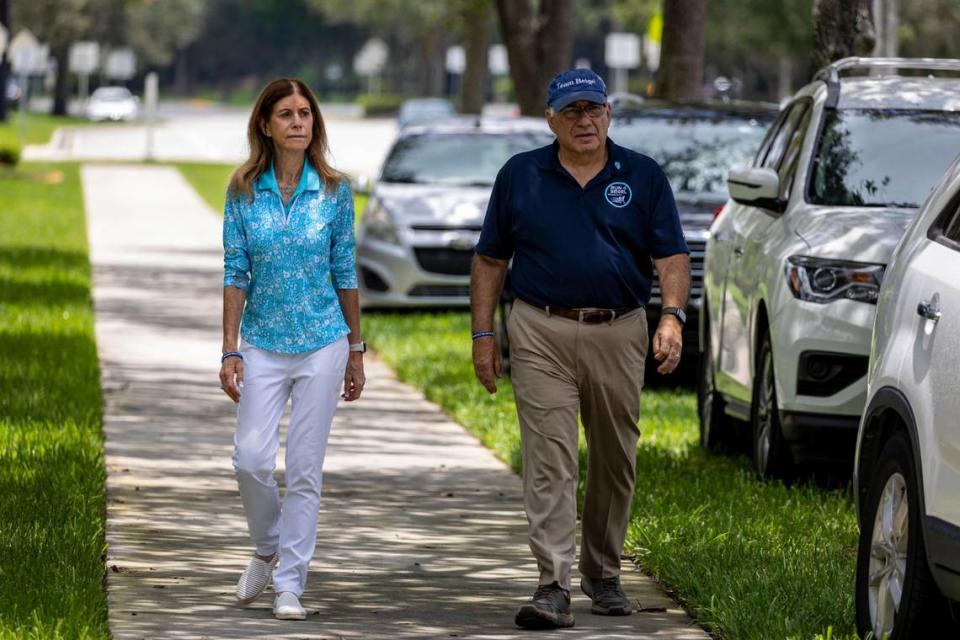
(359, 346)
(677, 312)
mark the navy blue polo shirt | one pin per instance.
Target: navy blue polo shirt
(579, 247)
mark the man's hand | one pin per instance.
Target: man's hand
(353, 377)
(231, 377)
(667, 344)
(486, 362)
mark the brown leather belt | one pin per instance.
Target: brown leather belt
(587, 316)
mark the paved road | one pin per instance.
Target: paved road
(421, 532)
(204, 133)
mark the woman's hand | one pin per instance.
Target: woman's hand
(231, 377)
(353, 378)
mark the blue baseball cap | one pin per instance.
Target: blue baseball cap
(575, 84)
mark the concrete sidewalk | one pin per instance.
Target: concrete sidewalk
(421, 530)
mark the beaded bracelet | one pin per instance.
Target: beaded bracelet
(483, 334)
(231, 354)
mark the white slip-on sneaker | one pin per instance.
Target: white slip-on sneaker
(287, 607)
(255, 579)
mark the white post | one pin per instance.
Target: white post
(886, 20)
(619, 80)
(83, 85)
(24, 97)
(150, 88)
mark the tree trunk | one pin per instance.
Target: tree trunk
(538, 47)
(61, 87)
(477, 41)
(181, 72)
(841, 28)
(680, 75)
(433, 62)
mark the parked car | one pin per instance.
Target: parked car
(907, 469)
(424, 110)
(696, 144)
(795, 261)
(112, 103)
(424, 214)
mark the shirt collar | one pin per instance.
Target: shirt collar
(309, 180)
(616, 159)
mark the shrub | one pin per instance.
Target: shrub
(380, 105)
(9, 154)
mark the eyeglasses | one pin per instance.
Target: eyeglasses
(593, 110)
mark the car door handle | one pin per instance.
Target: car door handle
(928, 310)
(738, 251)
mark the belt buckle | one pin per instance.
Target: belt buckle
(594, 316)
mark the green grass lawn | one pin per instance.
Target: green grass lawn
(38, 127)
(51, 465)
(210, 181)
(748, 559)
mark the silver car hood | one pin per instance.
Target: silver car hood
(458, 207)
(434, 205)
(853, 233)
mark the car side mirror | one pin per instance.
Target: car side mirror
(756, 186)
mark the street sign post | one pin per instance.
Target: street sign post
(497, 61)
(621, 53)
(456, 60)
(83, 60)
(150, 93)
(27, 57)
(121, 64)
(369, 62)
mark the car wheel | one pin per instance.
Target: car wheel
(500, 328)
(771, 455)
(715, 426)
(896, 596)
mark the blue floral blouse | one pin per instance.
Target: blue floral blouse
(290, 261)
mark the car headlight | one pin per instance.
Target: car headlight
(378, 224)
(819, 280)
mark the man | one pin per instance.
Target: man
(582, 219)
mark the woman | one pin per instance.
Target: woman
(290, 272)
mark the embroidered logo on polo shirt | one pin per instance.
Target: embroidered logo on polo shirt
(618, 194)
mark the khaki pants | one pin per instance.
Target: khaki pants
(559, 365)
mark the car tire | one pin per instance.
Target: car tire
(503, 337)
(771, 454)
(716, 428)
(922, 612)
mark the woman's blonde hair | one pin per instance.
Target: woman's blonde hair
(261, 147)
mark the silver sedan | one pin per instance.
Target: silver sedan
(425, 212)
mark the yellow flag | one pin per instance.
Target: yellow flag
(655, 28)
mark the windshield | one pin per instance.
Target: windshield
(882, 157)
(456, 159)
(695, 153)
(111, 94)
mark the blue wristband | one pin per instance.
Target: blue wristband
(231, 354)
(484, 334)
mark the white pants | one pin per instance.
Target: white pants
(314, 381)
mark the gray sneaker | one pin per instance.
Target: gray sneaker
(608, 596)
(548, 609)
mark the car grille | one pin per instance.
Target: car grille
(697, 250)
(439, 291)
(451, 262)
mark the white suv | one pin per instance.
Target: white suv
(907, 470)
(796, 258)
